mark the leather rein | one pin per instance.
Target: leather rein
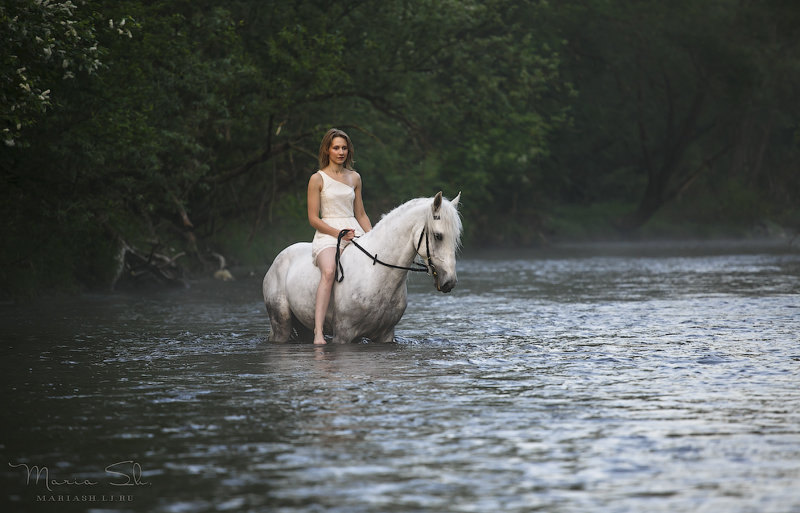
(429, 268)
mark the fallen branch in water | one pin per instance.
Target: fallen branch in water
(139, 268)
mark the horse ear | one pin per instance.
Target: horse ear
(454, 201)
(437, 201)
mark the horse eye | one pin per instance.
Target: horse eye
(437, 236)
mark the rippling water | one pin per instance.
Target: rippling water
(613, 378)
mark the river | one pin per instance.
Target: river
(603, 378)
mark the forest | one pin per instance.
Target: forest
(162, 139)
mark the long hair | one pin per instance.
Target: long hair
(325, 146)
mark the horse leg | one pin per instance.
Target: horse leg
(280, 319)
(304, 334)
(385, 334)
(386, 337)
(342, 332)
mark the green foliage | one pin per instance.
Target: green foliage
(674, 92)
(256, 249)
(594, 221)
(44, 44)
(193, 126)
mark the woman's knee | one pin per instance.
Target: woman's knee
(326, 262)
(327, 274)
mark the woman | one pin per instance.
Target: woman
(334, 204)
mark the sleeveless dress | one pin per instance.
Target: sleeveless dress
(336, 207)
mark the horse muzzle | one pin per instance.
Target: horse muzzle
(446, 285)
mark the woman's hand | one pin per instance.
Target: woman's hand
(351, 234)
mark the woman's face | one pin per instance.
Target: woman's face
(338, 150)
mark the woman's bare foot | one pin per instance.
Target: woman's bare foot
(319, 339)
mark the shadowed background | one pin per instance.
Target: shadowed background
(153, 140)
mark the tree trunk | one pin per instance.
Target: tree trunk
(664, 183)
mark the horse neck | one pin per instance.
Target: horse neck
(393, 237)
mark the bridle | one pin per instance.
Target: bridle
(429, 268)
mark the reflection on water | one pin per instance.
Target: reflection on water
(589, 379)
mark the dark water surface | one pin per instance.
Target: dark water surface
(613, 378)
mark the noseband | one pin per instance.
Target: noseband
(430, 268)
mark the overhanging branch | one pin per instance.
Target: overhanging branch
(262, 157)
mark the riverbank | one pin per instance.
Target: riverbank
(245, 255)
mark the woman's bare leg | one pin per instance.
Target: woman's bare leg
(326, 261)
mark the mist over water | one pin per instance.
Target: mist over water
(586, 378)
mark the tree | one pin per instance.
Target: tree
(203, 119)
(666, 92)
(45, 43)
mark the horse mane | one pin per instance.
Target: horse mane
(448, 214)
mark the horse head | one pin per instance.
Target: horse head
(442, 239)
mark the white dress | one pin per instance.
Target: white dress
(336, 208)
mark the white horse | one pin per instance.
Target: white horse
(371, 299)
